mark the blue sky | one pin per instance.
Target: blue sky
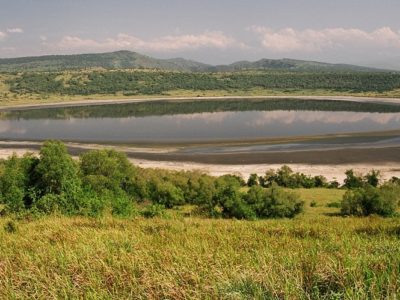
(220, 31)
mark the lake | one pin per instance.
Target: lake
(198, 121)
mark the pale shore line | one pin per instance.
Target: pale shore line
(140, 100)
(331, 172)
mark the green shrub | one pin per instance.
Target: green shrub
(50, 203)
(107, 170)
(373, 178)
(154, 210)
(253, 180)
(258, 203)
(167, 194)
(313, 203)
(122, 207)
(15, 182)
(56, 171)
(370, 200)
(279, 203)
(353, 181)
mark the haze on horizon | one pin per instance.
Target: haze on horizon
(362, 32)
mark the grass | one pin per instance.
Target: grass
(314, 256)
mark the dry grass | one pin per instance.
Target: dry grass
(315, 256)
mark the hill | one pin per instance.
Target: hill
(134, 60)
(110, 60)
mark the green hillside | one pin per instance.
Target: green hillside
(111, 60)
(133, 60)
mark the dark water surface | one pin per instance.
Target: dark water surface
(200, 121)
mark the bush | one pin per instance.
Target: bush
(15, 182)
(257, 203)
(57, 172)
(232, 203)
(50, 203)
(353, 181)
(285, 177)
(154, 210)
(313, 204)
(107, 170)
(253, 180)
(281, 204)
(373, 178)
(370, 200)
(122, 207)
(167, 194)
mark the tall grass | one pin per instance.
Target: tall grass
(314, 256)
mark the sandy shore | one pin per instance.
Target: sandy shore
(138, 100)
(331, 172)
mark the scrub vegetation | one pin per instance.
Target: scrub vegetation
(99, 227)
(41, 87)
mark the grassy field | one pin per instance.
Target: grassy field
(315, 256)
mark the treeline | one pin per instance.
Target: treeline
(160, 108)
(366, 194)
(104, 181)
(160, 82)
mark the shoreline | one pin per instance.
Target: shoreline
(330, 171)
(88, 102)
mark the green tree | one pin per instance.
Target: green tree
(371, 200)
(373, 178)
(57, 172)
(16, 182)
(253, 180)
(107, 171)
(352, 180)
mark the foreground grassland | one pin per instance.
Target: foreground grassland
(317, 255)
(45, 87)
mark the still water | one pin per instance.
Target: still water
(194, 122)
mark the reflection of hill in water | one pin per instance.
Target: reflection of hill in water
(161, 108)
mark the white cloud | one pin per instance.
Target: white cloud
(309, 117)
(313, 40)
(208, 39)
(5, 34)
(15, 30)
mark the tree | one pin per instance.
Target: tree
(370, 200)
(16, 182)
(253, 180)
(373, 178)
(167, 194)
(352, 180)
(57, 172)
(107, 171)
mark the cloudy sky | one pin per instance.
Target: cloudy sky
(365, 32)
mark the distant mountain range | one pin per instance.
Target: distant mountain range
(133, 60)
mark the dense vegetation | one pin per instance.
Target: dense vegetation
(160, 108)
(104, 180)
(154, 83)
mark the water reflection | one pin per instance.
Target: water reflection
(240, 125)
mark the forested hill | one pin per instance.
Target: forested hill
(110, 60)
(133, 60)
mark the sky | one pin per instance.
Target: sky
(364, 32)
